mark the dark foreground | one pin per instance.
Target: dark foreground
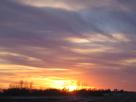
(131, 97)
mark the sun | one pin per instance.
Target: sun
(65, 84)
(69, 85)
(72, 87)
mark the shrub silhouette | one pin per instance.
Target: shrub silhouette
(23, 88)
(56, 92)
(16, 91)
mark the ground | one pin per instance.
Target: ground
(114, 98)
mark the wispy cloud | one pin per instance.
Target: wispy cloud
(91, 38)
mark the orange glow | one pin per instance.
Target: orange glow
(38, 78)
(69, 85)
(72, 87)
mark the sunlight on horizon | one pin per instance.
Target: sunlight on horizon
(67, 84)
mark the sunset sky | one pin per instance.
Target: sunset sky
(92, 42)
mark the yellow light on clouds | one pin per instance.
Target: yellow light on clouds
(77, 40)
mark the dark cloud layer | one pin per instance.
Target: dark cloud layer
(37, 37)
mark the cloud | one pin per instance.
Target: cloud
(71, 5)
(69, 34)
(43, 30)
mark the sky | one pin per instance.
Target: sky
(89, 41)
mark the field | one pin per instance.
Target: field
(129, 97)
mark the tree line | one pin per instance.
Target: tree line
(23, 88)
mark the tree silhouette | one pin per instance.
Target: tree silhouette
(21, 84)
(23, 88)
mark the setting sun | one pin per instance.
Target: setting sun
(72, 87)
(69, 85)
